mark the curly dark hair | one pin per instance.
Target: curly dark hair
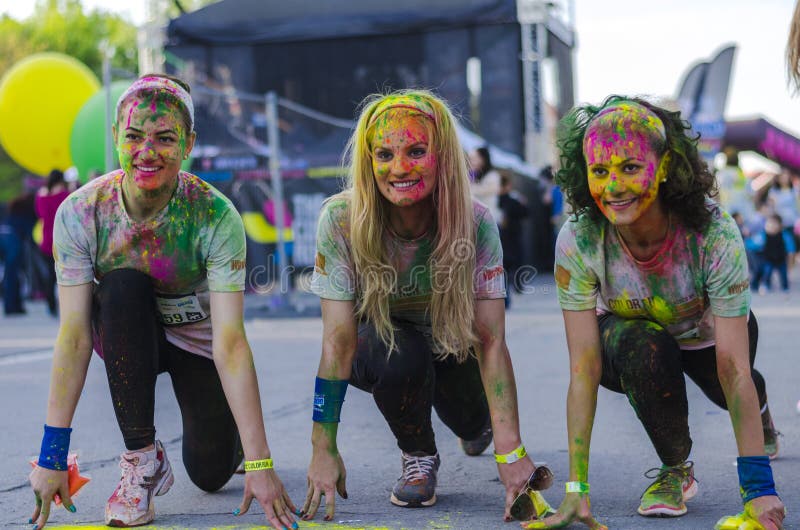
(688, 183)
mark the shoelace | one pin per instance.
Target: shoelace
(681, 471)
(417, 467)
(134, 479)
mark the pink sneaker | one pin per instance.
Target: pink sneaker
(144, 474)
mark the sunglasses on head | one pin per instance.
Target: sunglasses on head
(529, 504)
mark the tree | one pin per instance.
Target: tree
(62, 26)
(65, 26)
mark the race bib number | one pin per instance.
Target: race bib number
(180, 310)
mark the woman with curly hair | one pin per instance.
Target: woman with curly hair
(409, 270)
(652, 280)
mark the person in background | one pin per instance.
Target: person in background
(735, 193)
(551, 217)
(21, 219)
(48, 199)
(783, 197)
(513, 210)
(774, 246)
(11, 251)
(485, 185)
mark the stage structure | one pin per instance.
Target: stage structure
(329, 55)
(317, 59)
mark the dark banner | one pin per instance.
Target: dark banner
(766, 139)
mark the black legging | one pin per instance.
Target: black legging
(642, 360)
(49, 284)
(411, 380)
(135, 350)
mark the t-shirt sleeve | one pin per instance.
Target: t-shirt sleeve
(726, 273)
(577, 285)
(333, 277)
(489, 281)
(227, 254)
(71, 248)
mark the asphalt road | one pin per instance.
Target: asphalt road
(470, 494)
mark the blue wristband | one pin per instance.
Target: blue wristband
(755, 477)
(328, 399)
(55, 447)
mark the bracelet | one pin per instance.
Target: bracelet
(577, 487)
(257, 465)
(513, 456)
(755, 477)
(328, 399)
(55, 446)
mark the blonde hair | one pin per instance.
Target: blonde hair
(793, 50)
(452, 309)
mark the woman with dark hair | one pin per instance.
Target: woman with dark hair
(485, 185)
(48, 199)
(652, 280)
(151, 274)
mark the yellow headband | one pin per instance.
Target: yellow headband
(403, 102)
(634, 111)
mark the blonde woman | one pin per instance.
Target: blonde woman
(409, 270)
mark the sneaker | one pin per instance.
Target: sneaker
(417, 486)
(144, 474)
(672, 487)
(478, 445)
(771, 445)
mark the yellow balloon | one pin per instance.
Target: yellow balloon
(40, 96)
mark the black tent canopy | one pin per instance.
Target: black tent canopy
(329, 54)
(272, 21)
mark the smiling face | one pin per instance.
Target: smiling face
(624, 170)
(152, 140)
(403, 162)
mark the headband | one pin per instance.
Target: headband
(635, 112)
(403, 102)
(163, 84)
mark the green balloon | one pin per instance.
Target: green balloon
(87, 143)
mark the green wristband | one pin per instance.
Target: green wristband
(577, 487)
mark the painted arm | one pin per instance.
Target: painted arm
(733, 369)
(585, 365)
(326, 472)
(71, 355)
(234, 361)
(497, 375)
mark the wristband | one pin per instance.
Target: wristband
(328, 399)
(257, 465)
(513, 456)
(755, 477)
(55, 446)
(577, 487)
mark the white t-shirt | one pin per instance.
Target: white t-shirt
(195, 244)
(691, 278)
